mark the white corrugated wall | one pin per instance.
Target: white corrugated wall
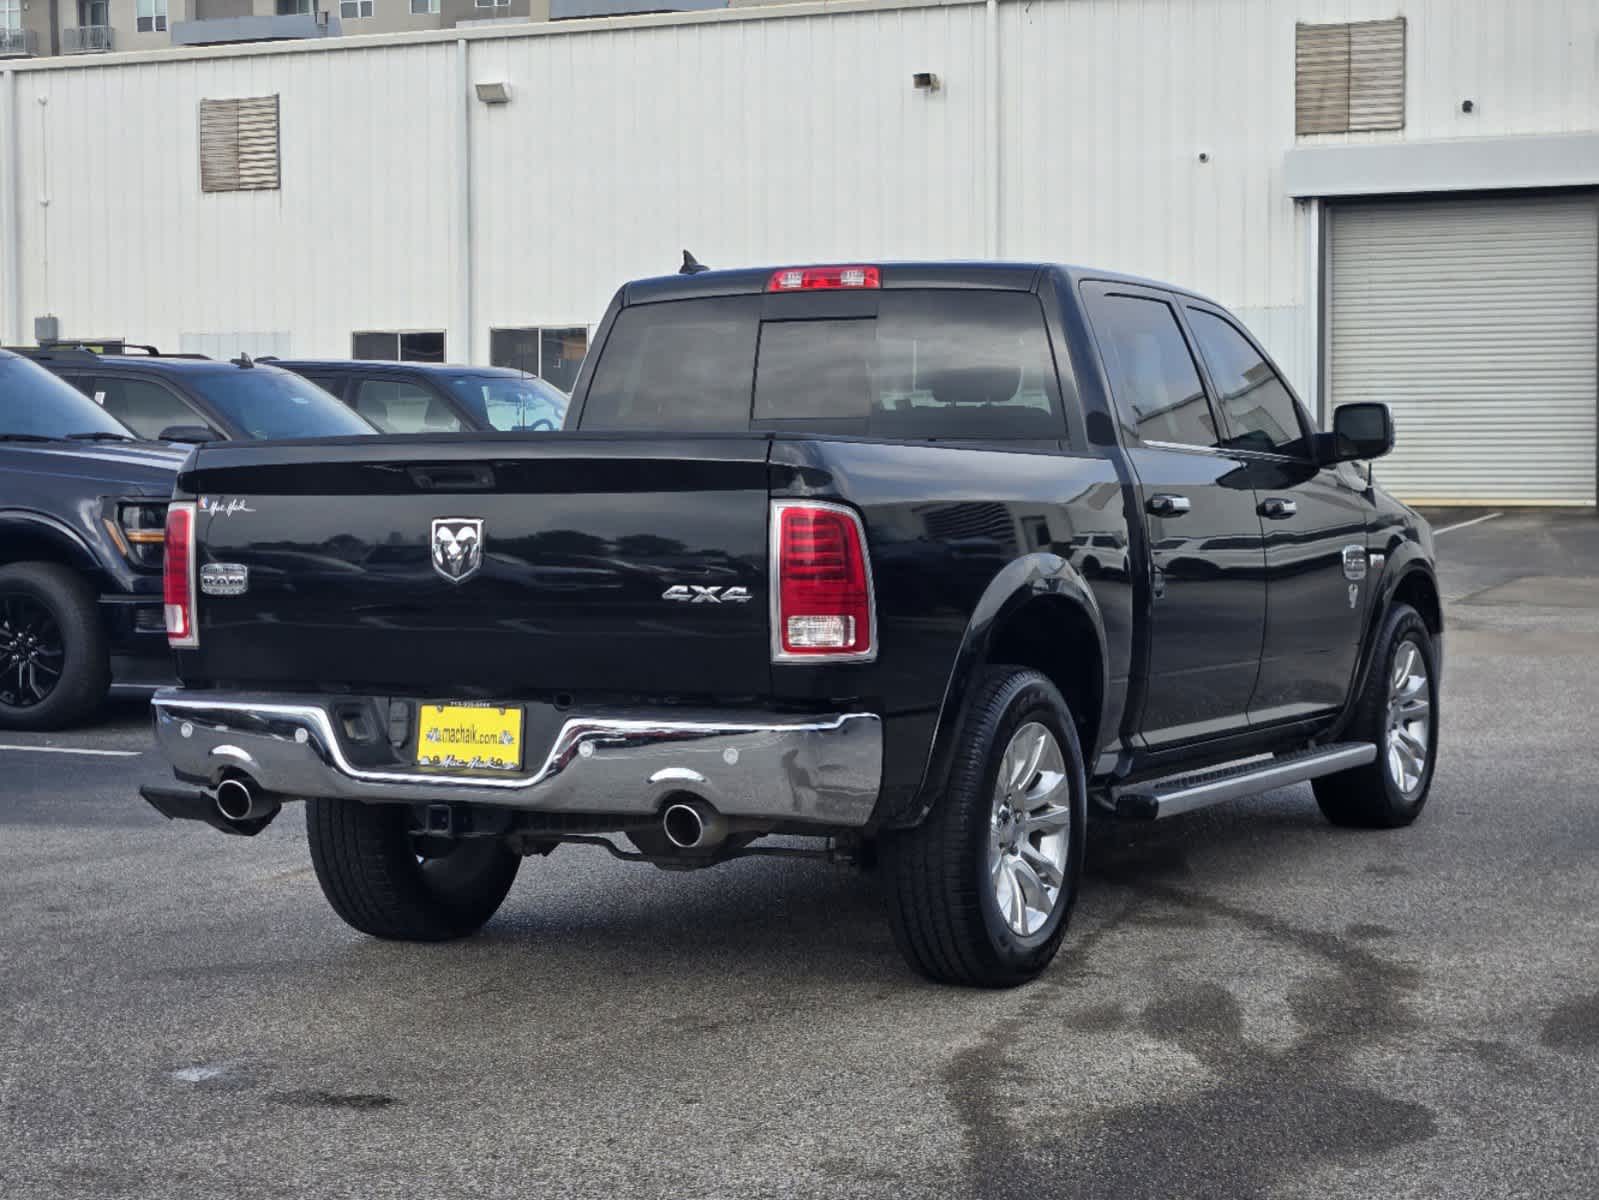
(748, 136)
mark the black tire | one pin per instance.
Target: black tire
(66, 610)
(367, 865)
(1370, 797)
(941, 902)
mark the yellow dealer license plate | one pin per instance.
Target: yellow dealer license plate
(469, 737)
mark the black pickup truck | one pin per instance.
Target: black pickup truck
(83, 506)
(930, 561)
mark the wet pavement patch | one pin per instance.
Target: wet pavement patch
(1299, 1099)
(1574, 1025)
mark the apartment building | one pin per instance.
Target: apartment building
(33, 28)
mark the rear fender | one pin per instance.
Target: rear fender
(1026, 579)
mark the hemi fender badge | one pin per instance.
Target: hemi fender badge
(224, 579)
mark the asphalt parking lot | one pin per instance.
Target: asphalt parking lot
(1251, 1003)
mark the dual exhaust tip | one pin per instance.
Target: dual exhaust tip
(239, 800)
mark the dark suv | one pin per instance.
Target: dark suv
(82, 511)
(189, 398)
(412, 397)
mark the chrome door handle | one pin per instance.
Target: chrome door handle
(1166, 504)
(1275, 508)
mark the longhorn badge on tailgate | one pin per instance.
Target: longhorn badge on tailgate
(457, 547)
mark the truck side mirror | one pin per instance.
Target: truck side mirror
(1360, 432)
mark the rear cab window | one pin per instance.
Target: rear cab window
(965, 364)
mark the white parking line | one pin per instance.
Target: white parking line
(1463, 524)
(74, 750)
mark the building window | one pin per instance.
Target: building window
(290, 8)
(553, 354)
(10, 14)
(151, 16)
(349, 10)
(239, 144)
(413, 346)
(422, 8)
(1349, 78)
(493, 3)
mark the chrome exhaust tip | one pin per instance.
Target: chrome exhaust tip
(693, 827)
(237, 800)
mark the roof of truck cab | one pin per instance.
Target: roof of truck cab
(386, 364)
(993, 275)
(87, 361)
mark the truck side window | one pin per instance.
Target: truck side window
(146, 408)
(1153, 378)
(395, 406)
(1256, 405)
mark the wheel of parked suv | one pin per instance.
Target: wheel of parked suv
(372, 874)
(981, 891)
(1398, 711)
(54, 668)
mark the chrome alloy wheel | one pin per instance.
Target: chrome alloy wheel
(1409, 717)
(1030, 829)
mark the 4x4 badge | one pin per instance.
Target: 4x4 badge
(694, 594)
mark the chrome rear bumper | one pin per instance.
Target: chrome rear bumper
(823, 770)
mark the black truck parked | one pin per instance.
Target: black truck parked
(417, 397)
(192, 398)
(931, 561)
(82, 513)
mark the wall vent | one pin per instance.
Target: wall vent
(1349, 78)
(239, 145)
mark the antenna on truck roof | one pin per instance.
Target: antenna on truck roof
(691, 265)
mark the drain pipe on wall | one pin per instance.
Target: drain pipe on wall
(459, 347)
(992, 242)
(10, 212)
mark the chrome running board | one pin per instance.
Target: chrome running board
(1156, 798)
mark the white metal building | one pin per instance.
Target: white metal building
(1401, 197)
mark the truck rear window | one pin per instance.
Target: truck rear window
(912, 364)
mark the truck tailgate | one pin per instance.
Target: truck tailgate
(482, 568)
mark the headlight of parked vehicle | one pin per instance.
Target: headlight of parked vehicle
(138, 527)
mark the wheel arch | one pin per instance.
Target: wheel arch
(34, 537)
(1407, 578)
(1038, 612)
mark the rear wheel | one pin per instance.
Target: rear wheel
(375, 878)
(54, 665)
(981, 891)
(1398, 712)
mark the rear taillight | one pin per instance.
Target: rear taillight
(178, 576)
(810, 279)
(821, 584)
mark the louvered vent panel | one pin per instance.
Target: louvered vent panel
(1321, 79)
(1349, 77)
(239, 144)
(1377, 75)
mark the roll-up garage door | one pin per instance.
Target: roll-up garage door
(1477, 321)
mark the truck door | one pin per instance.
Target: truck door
(1314, 521)
(1208, 588)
